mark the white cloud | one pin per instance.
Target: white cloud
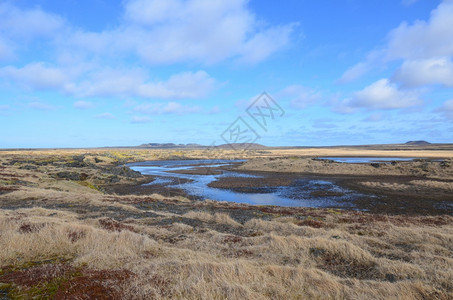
(149, 108)
(84, 43)
(140, 120)
(166, 108)
(420, 45)
(41, 106)
(424, 39)
(300, 96)
(426, 51)
(376, 117)
(355, 72)
(205, 31)
(31, 23)
(188, 85)
(35, 75)
(6, 50)
(176, 108)
(4, 107)
(344, 107)
(105, 115)
(83, 105)
(263, 44)
(415, 73)
(135, 83)
(158, 32)
(382, 94)
(244, 103)
(152, 12)
(180, 31)
(447, 109)
(110, 82)
(361, 68)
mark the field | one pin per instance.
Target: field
(65, 235)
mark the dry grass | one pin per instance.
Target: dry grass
(60, 239)
(276, 259)
(413, 185)
(218, 218)
(422, 169)
(109, 155)
(403, 151)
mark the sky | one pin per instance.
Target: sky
(79, 73)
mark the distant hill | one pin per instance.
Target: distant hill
(418, 143)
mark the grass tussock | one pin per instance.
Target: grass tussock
(218, 218)
(279, 258)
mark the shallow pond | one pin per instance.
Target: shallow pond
(301, 192)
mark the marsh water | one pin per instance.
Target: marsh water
(302, 192)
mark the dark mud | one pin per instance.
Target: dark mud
(413, 201)
(199, 171)
(145, 186)
(251, 184)
(427, 201)
(430, 201)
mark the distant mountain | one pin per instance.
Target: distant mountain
(417, 143)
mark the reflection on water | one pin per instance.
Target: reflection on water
(302, 192)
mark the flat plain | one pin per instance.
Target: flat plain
(72, 227)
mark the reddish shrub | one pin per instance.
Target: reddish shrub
(93, 284)
(232, 239)
(112, 225)
(311, 223)
(30, 228)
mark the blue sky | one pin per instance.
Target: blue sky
(116, 73)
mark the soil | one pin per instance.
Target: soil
(198, 171)
(429, 200)
(385, 195)
(143, 187)
(62, 281)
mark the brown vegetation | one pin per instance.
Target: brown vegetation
(313, 253)
(440, 170)
(65, 240)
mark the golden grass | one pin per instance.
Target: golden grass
(109, 155)
(422, 169)
(353, 151)
(259, 259)
(219, 218)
